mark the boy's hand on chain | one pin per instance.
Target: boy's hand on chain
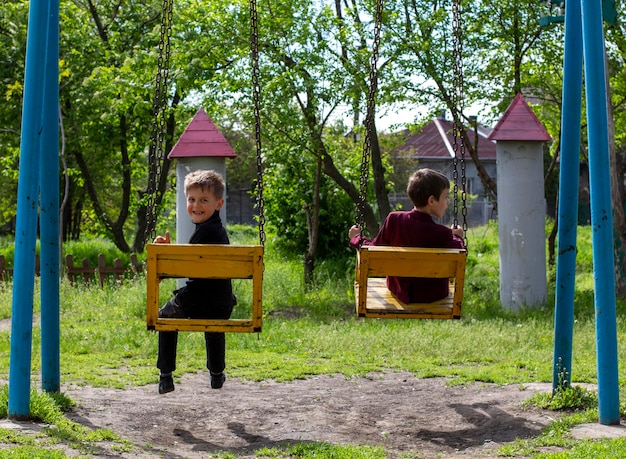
(163, 239)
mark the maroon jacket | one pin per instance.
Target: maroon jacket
(413, 229)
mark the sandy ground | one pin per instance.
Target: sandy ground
(408, 417)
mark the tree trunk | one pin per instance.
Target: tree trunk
(619, 221)
(329, 168)
(380, 185)
(371, 223)
(488, 183)
(552, 238)
(113, 229)
(313, 223)
(141, 238)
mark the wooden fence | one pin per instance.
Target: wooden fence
(84, 271)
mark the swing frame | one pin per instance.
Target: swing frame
(200, 261)
(207, 261)
(374, 263)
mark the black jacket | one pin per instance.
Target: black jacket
(204, 295)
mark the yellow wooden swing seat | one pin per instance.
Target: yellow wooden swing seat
(374, 263)
(204, 261)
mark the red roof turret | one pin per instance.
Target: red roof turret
(201, 138)
(519, 123)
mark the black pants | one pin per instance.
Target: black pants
(215, 351)
(215, 343)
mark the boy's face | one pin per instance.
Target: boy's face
(439, 206)
(202, 204)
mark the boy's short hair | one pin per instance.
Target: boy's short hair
(425, 183)
(207, 180)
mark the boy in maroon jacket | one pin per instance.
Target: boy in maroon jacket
(429, 191)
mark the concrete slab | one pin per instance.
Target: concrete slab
(590, 431)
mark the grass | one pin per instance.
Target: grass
(317, 450)
(48, 409)
(308, 331)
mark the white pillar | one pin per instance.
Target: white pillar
(521, 224)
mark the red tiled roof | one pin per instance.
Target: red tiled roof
(435, 140)
(519, 123)
(202, 138)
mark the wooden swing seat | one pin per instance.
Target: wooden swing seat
(374, 263)
(214, 261)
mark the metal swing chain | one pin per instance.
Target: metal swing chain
(156, 150)
(369, 117)
(254, 57)
(458, 100)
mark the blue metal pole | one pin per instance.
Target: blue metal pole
(568, 197)
(49, 216)
(601, 211)
(26, 221)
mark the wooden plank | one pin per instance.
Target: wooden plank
(205, 267)
(362, 262)
(422, 251)
(413, 262)
(226, 326)
(381, 301)
(152, 287)
(204, 261)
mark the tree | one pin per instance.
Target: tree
(617, 99)
(13, 20)
(304, 86)
(108, 102)
(106, 108)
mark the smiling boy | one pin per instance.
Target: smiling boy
(199, 298)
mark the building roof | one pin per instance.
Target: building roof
(436, 141)
(201, 138)
(519, 123)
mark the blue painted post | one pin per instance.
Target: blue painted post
(568, 197)
(601, 212)
(26, 221)
(49, 216)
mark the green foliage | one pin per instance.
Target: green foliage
(585, 449)
(6, 298)
(44, 407)
(575, 398)
(482, 287)
(88, 248)
(48, 408)
(91, 248)
(7, 246)
(289, 196)
(31, 452)
(243, 234)
(323, 450)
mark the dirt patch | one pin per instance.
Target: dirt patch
(5, 324)
(408, 417)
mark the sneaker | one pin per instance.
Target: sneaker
(217, 380)
(166, 384)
